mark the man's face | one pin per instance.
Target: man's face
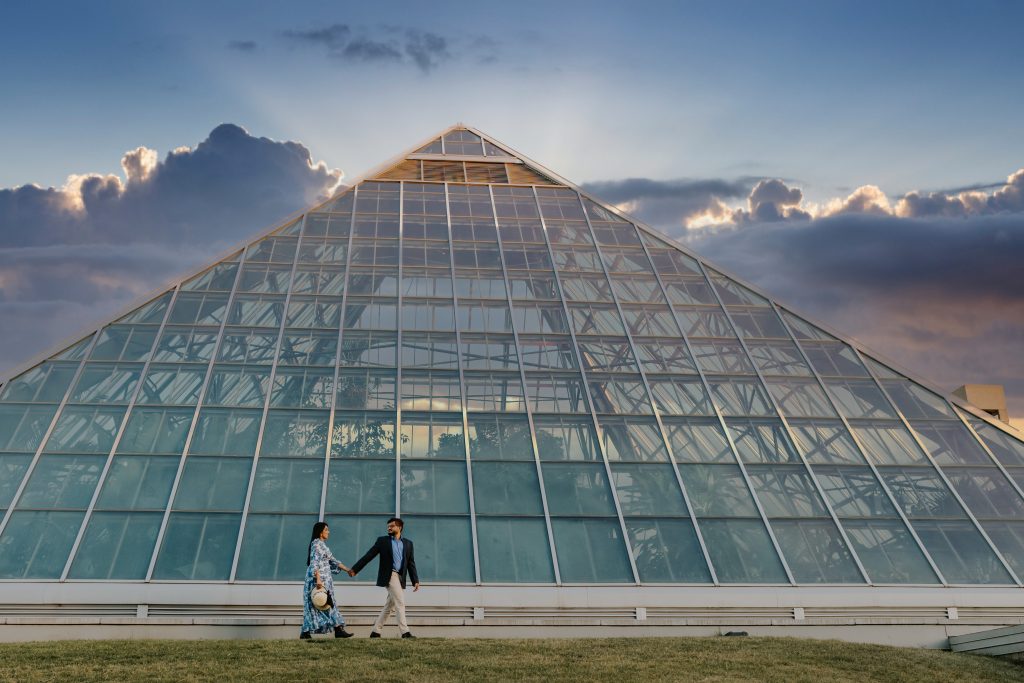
(393, 529)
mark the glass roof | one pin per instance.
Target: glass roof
(549, 392)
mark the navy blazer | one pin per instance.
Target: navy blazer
(382, 547)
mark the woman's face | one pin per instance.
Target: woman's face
(325, 533)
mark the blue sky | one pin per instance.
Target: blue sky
(780, 138)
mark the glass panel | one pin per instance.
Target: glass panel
(551, 352)
(623, 394)
(636, 440)
(432, 435)
(172, 385)
(595, 319)
(800, 398)
(138, 483)
(302, 388)
(551, 393)
(742, 551)
(961, 552)
(755, 323)
(197, 547)
(786, 491)
(778, 358)
(765, 442)
(443, 547)
(434, 487)
(429, 351)
(238, 385)
(740, 396)
(591, 551)
(889, 443)
(694, 441)
(492, 352)
(815, 551)
(374, 349)
(888, 552)
(369, 314)
(717, 490)
(45, 383)
(506, 488)
(706, 322)
(35, 545)
(314, 312)
(825, 442)
(103, 383)
(428, 316)
(540, 318)
(219, 278)
(494, 393)
(859, 398)
(608, 355)
(921, 492)
(514, 550)
(213, 484)
(686, 291)
(265, 278)
(22, 427)
(60, 481)
(228, 432)
(681, 396)
(371, 389)
(296, 433)
(854, 491)
(1009, 538)
(287, 485)
(648, 490)
(577, 489)
(658, 355)
(81, 429)
(915, 402)
(116, 545)
(667, 551)
(248, 346)
(363, 435)
(149, 313)
(495, 437)
(319, 280)
(12, 471)
(196, 308)
(1008, 450)
(124, 342)
(566, 439)
(949, 443)
(274, 547)
(834, 359)
(986, 491)
(366, 486)
(431, 391)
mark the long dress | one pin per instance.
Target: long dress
(314, 620)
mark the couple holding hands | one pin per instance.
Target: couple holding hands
(396, 562)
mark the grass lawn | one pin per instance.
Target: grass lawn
(425, 659)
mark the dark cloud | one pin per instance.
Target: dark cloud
(74, 255)
(772, 200)
(423, 49)
(671, 202)
(942, 296)
(428, 50)
(1009, 197)
(242, 45)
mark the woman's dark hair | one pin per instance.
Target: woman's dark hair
(318, 529)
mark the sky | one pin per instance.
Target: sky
(859, 160)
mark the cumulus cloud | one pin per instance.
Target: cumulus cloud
(423, 49)
(81, 251)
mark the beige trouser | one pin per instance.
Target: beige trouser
(395, 601)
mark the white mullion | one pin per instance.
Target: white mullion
(522, 378)
(195, 415)
(120, 433)
(398, 350)
(938, 469)
(586, 391)
(647, 386)
(861, 450)
(789, 430)
(49, 431)
(462, 389)
(337, 353)
(266, 403)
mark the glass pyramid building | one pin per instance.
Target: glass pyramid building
(547, 392)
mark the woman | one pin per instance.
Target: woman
(320, 564)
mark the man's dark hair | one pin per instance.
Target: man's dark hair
(398, 521)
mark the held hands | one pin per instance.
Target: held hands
(350, 572)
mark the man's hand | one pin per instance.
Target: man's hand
(351, 573)
(415, 587)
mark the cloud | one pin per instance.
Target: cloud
(242, 45)
(81, 251)
(390, 44)
(672, 203)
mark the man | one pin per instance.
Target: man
(396, 561)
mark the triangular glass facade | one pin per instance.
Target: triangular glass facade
(545, 391)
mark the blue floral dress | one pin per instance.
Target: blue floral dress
(313, 620)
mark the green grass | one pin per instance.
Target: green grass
(425, 659)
